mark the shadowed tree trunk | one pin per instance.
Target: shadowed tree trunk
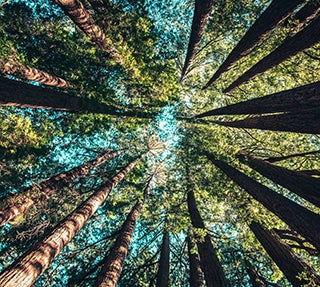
(201, 14)
(15, 93)
(211, 267)
(26, 269)
(294, 100)
(307, 121)
(300, 219)
(307, 13)
(255, 279)
(280, 158)
(301, 184)
(196, 275)
(277, 12)
(163, 269)
(289, 263)
(301, 41)
(23, 201)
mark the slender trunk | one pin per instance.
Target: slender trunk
(300, 219)
(113, 263)
(201, 14)
(212, 269)
(303, 122)
(301, 184)
(276, 13)
(33, 74)
(196, 275)
(294, 100)
(26, 269)
(289, 263)
(163, 269)
(307, 13)
(22, 202)
(15, 93)
(301, 41)
(280, 158)
(255, 279)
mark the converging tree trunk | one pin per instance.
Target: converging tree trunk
(196, 275)
(255, 279)
(211, 267)
(294, 100)
(301, 41)
(163, 269)
(300, 219)
(28, 197)
(26, 269)
(307, 13)
(280, 158)
(295, 269)
(301, 184)
(202, 11)
(277, 12)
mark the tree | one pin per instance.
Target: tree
(163, 269)
(255, 278)
(196, 275)
(298, 271)
(280, 158)
(26, 269)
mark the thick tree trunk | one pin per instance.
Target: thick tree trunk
(255, 279)
(196, 275)
(113, 263)
(289, 263)
(277, 12)
(307, 121)
(301, 41)
(280, 158)
(300, 219)
(22, 202)
(294, 100)
(15, 93)
(301, 184)
(26, 269)
(201, 14)
(163, 269)
(307, 13)
(212, 269)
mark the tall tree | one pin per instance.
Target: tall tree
(307, 13)
(284, 157)
(300, 219)
(163, 269)
(26, 269)
(201, 14)
(301, 184)
(301, 41)
(196, 275)
(297, 271)
(255, 279)
(277, 12)
(21, 202)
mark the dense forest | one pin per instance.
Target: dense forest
(160, 143)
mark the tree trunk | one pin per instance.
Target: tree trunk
(294, 100)
(280, 158)
(213, 272)
(196, 275)
(163, 270)
(15, 93)
(22, 202)
(301, 41)
(289, 263)
(276, 13)
(32, 74)
(25, 270)
(300, 219)
(301, 184)
(201, 14)
(307, 121)
(255, 279)
(113, 263)
(307, 13)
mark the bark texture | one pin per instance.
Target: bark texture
(255, 279)
(289, 263)
(307, 13)
(26, 269)
(301, 41)
(196, 275)
(276, 13)
(163, 270)
(300, 219)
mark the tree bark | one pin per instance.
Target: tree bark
(196, 275)
(22, 202)
(15, 93)
(300, 219)
(212, 269)
(276, 13)
(307, 13)
(255, 279)
(26, 269)
(280, 158)
(301, 184)
(289, 263)
(301, 41)
(163, 269)
(202, 11)
(294, 100)
(113, 263)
